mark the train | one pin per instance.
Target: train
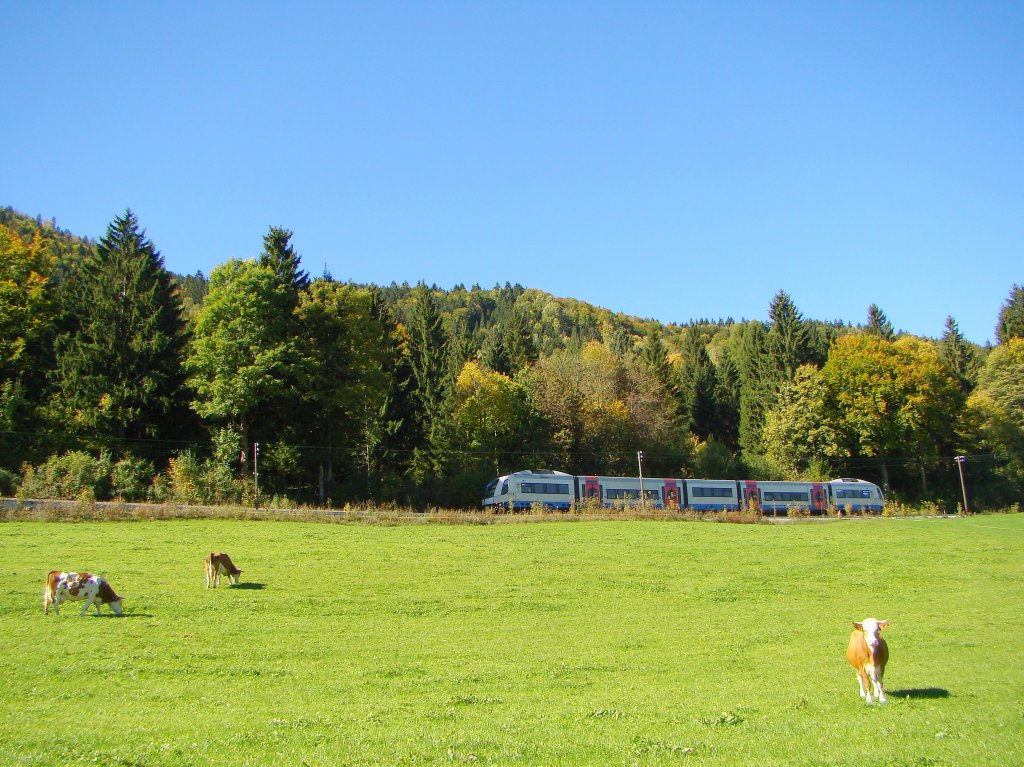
(557, 490)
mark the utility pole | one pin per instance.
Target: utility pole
(640, 464)
(960, 461)
(256, 470)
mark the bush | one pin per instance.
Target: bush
(190, 479)
(72, 475)
(8, 481)
(131, 479)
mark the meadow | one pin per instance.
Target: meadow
(550, 643)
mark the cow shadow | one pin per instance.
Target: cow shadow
(920, 693)
(248, 586)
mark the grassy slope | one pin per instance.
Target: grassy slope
(562, 643)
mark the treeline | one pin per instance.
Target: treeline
(120, 379)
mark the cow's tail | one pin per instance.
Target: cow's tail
(49, 590)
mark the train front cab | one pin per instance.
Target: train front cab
(525, 489)
(855, 496)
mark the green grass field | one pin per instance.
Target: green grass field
(576, 643)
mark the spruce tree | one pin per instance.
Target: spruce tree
(280, 256)
(1011, 316)
(958, 356)
(118, 372)
(727, 396)
(427, 354)
(879, 325)
(757, 387)
(698, 386)
(788, 338)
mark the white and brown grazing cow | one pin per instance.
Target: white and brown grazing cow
(218, 564)
(868, 654)
(61, 586)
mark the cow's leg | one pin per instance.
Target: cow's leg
(876, 680)
(865, 686)
(88, 604)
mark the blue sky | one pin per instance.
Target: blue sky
(670, 160)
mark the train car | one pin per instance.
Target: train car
(522, 489)
(781, 497)
(856, 495)
(658, 492)
(712, 495)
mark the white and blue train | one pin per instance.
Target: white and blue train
(558, 490)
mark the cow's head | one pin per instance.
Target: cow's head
(235, 576)
(872, 629)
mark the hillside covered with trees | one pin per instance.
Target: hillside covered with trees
(120, 379)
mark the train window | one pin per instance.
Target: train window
(779, 497)
(545, 488)
(504, 487)
(846, 493)
(710, 492)
(617, 493)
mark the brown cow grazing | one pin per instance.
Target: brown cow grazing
(868, 653)
(61, 586)
(218, 564)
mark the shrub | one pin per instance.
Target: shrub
(71, 475)
(798, 512)
(197, 481)
(8, 481)
(131, 479)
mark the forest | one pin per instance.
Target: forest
(262, 385)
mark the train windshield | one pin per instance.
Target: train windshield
(491, 486)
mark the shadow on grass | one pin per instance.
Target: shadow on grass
(920, 693)
(252, 586)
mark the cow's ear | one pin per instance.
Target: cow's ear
(883, 624)
(858, 626)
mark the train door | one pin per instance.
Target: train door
(591, 488)
(751, 494)
(818, 497)
(671, 494)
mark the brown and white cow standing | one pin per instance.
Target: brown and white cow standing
(218, 564)
(868, 653)
(62, 586)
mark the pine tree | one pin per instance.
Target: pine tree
(118, 371)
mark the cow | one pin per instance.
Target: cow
(61, 586)
(218, 564)
(868, 654)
